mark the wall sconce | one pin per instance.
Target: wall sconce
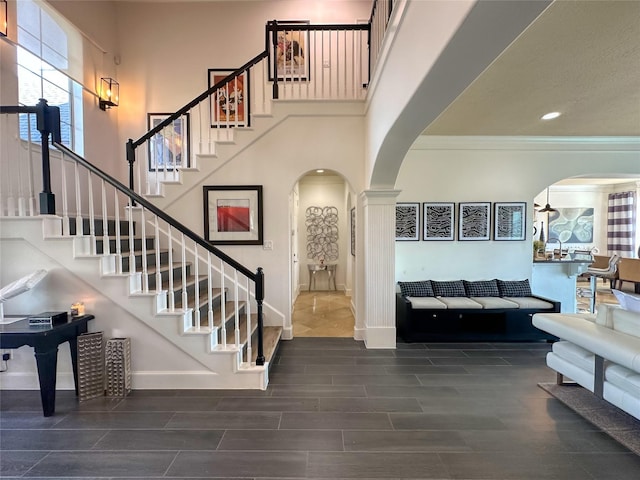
(109, 93)
(3, 18)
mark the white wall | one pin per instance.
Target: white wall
(489, 170)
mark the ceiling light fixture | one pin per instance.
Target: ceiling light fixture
(320, 170)
(547, 208)
(550, 115)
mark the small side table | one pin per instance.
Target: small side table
(45, 340)
(314, 268)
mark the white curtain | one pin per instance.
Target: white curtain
(621, 224)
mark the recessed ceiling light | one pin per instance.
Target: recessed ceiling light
(319, 171)
(550, 115)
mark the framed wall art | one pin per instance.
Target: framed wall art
(438, 221)
(233, 214)
(169, 148)
(509, 220)
(291, 52)
(474, 220)
(230, 103)
(572, 225)
(353, 231)
(407, 221)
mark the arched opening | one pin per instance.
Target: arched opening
(594, 214)
(322, 259)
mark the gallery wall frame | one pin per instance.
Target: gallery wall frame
(230, 105)
(438, 221)
(572, 224)
(291, 53)
(474, 221)
(233, 214)
(353, 231)
(169, 148)
(407, 221)
(509, 221)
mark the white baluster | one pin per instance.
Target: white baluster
(106, 250)
(196, 295)
(143, 234)
(65, 198)
(172, 301)
(209, 291)
(79, 226)
(223, 307)
(236, 307)
(92, 217)
(185, 297)
(118, 236)
(322, 57)
(156, 242)
(132, 256)
(248, 308)
(32, 195)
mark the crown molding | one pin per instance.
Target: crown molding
(452, 142)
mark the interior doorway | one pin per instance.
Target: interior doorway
(322, 263)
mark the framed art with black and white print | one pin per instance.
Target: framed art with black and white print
(474, 221)
(407, 221)
(509, 220)
(438, 221)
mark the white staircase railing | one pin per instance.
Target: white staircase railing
(161, 257)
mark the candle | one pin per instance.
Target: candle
(77, 309)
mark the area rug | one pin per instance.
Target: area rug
(618, 424)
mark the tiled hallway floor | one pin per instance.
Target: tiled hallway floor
(333, 410)
(323, 314)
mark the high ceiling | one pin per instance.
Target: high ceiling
(581, 58)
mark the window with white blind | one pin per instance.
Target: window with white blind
(48, 56)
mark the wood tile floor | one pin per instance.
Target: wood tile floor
(333, 410)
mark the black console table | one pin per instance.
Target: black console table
(45, 340)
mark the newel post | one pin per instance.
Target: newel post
(273, 26)
(259, 300)
(48, 123)
(131, 158)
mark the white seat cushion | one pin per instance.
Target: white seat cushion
(626, 321)
(624, 379)
(495, 302)
(459, 302)
(572, 353)
(529, 302)
(422, 303)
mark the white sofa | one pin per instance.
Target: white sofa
(601, 352)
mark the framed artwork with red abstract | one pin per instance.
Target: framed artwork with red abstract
(233, 214)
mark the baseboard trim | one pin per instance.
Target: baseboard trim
(380, 337)
(161, 380)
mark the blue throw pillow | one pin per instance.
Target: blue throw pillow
(449, 289)
(514, 288)
(482, 288)
(416, 289)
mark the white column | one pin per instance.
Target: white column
(378, 319)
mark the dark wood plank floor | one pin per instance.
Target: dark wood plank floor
(334, 410)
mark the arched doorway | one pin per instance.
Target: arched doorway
(321, 255)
